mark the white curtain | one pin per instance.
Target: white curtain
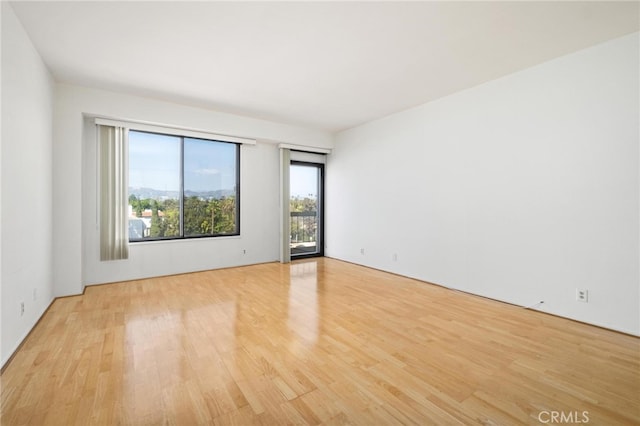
(114, 222)
(285, 223)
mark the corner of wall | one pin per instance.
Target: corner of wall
(25, 213)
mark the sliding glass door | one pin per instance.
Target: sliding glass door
(306, 188)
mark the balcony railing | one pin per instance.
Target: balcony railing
(304, 232)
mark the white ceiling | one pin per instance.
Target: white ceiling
(326, 65)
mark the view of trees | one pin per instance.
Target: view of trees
(209, 217)
(216, 216)
(300, 204)
(201, 216)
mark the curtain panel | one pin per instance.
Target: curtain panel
(285, 215)
(113, 202)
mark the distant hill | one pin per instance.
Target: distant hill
(156, 194)
(217, 194)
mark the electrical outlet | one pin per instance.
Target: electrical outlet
(361, 251)
(582, 295)
(21, 308)
(395, 257)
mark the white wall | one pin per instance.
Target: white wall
(76, 256)
(27, 98)
(522, 189)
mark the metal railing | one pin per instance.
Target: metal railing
(304, 227)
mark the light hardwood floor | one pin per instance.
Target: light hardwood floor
(314, 342)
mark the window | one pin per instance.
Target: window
(182, 187)
(305, 208)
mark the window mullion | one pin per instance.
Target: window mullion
(182, 187)
(237, 189)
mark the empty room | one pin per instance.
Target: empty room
(367, 213)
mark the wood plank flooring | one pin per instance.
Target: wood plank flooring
(315, 342)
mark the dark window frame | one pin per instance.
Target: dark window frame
(321, 201)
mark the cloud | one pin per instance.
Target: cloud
(207, 171)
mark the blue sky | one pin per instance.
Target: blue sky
(154, 162)
(304, 181)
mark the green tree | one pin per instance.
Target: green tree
(195, 216)
(144, 204)
(222, 212)
(156, 223)
(171, 217)
(139, 205)
(134, 202)
(306, 204)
